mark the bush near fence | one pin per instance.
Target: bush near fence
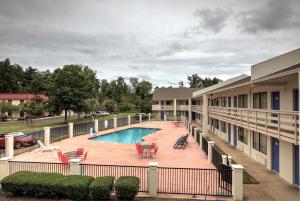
(127, 187)
(101, 188)
(75, 187)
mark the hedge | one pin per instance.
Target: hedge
(76, 187)
(101, 188)
(51, 185)
(127, 187)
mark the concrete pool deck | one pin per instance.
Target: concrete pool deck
(108, 153)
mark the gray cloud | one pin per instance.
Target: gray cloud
(272, 15)
(161, 40)
(211, 19)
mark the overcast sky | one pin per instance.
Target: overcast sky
(162, 41)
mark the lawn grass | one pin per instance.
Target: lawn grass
(26, 128)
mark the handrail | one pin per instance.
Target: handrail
(256, 110)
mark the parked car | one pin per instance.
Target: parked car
(144, 116)
(101, 113)
(20, 140)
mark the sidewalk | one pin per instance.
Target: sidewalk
(270, 188)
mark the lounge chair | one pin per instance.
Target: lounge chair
(46, 148)
(181, 142)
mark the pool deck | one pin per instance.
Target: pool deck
(108, 153)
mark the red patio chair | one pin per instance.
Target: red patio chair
(153, 145)
(83, 158)
(140, 152)
(59, 154)
(153, 152)
(80, 150)
(64, 159)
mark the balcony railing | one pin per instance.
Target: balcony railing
(276, 123)
(197, 108)
(162, 107)
(182, 107)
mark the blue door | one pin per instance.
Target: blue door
(275, 104)
(235, 135)
(162, 115)
(297, 166)
(275, 154)
(229, 133)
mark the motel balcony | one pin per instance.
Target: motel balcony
(158, 107)
(275, 123)
(197, 108)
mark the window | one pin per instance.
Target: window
(223, 126)
(229, 101)
(260, 142)
(260, 100)
(296, 100)
(235, 101)
(242, 134)
(243, 101)
(216, 123)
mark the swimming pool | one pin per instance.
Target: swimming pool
(126, 136)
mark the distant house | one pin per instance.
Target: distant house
(18, 99)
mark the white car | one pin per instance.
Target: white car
(101, 113)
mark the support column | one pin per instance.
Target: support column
(149, 116)
(190, 109)
(129, 120)
(105, 123)
(9, 146)
(96, 126)
(115, 122)
(152, 176)
(165, 116)
(210, 145)
(75, 168)
(237, 182)
(140, 117)
(205, 115)
(47, 136)
(175, 110)
(71, 128)
(4, 167)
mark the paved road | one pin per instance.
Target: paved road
(40, 120)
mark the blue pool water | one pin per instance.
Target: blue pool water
(126, 136)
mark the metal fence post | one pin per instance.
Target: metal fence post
(47, 136)
(210, 145)
(140, 117)
(71, 129)
(129, 120)
(153, 179)
(9, 146)
(165, 117)
(115, 122)
(195, 132)
(149, 116)
(75, 168)
(96, 125)
(4, 167)
(237, 182)
(105, 123)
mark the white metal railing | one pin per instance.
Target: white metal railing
(276, 123)
(197, 108)
(182, 107)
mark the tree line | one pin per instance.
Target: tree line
(76, 87)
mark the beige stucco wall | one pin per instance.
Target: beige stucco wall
(286, 161)
(275, 64)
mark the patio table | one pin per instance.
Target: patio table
(72, 154)
(147, 148)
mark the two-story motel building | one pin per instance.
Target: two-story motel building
(257, 114)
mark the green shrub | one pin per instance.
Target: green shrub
(127, 187)
(101, 187)
(76, 187)
(33, 184)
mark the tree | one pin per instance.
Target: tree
(71, 86)
(10, 76)
(143, 89)
(197, 82)
(110, 106)
(35, 108)
(181, 84)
